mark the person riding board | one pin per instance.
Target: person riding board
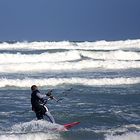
(38, 102)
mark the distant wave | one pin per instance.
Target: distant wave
(75, 56)
(27, 82)
(67, 56)
(98, 45)
(43, 57)
(112, 55)
(67, 66)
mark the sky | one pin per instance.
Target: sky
(70, 20)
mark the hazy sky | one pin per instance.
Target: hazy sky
(74, 20)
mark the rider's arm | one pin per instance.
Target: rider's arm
(43, 97)
(40, 96)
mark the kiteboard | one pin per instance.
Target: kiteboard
(64, 127)
(70, 125)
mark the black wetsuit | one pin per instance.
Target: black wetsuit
(37, 105)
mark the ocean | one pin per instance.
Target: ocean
(98, 84)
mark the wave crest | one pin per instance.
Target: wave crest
(27, 82)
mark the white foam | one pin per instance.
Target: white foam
(7, 58)
(44, 57)
(111, 45)
(112, 55)
(33, 130)
(99, 45)
(64, 61)
(67, 66)
(127, 136)
(29, 136)
(35, 126)
(27, 82)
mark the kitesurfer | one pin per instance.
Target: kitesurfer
(38, 102)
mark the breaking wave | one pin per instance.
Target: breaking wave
(67, 66)
(98, 45)
(69, 56)
(127, 136)
(27, 82)
(33, 130)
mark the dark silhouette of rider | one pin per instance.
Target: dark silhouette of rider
(39, 101)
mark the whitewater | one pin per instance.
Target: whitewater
(99, 83)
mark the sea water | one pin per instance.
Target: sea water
(98, 84)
